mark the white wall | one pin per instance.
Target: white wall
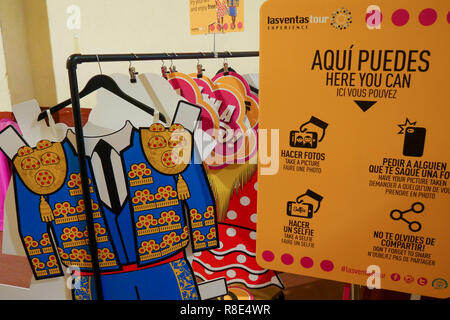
(133, 26)
(5, 98)
(37, 42)
(15, 47)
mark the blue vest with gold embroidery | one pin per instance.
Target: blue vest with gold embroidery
(151, 227)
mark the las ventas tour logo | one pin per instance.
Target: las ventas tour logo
(294, 22)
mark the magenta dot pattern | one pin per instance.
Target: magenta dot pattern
(327, 265)
(268, 256)
(307, 262)
(400, 17)
(427, 17)
(287, 259)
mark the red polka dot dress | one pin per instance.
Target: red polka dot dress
(235, 259)
(222, 9)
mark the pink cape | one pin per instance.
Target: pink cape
(5, 171)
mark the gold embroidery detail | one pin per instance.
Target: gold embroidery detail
(84, 290)
(171, 242)
(99, 233)
(37, 265)
(30, 163)
(175, 154)
(144, 200)
(25, 151)
(80, 258)
(185, 280)
(185, 233)
(164, 252)
(82, 217)
(74, 184)
(42, 181)
(212, 237)
(212, 234)
(149, 247)
(212, 243)
(52, 262)
(65, 213)
(70, 236)
(62, 254)
(198, 238)
(54, 271)
(106, 258)
(30, 243)
(42, 273)
(140, 174)
(49, 158)
(209, 216)
(47, 250)
(195, 217)
(150, 225)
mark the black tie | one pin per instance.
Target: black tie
(103, 149)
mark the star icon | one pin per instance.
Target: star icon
(405, 125)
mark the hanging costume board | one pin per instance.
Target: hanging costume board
(141, 183)
(362, 190)
(54, 289)
(230, 114)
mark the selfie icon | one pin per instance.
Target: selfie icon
(305, 205)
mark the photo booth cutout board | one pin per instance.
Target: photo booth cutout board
(206, 16)
(374, 190)
(184, 114)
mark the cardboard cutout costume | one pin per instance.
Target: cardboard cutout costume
(141, 180)
(234, 184)
(235, 259)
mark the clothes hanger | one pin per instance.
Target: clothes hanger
(200, 69)
(172, 67)
(106, 82)
(164, 70)
(132, 72)
(226, 68)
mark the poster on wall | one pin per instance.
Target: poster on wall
(216, 16)
(361, 193)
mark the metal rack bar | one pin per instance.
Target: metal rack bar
(76, 59)
(72, 62)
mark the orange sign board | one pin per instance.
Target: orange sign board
(216, 16)
(362, 191)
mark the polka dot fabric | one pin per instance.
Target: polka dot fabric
(222, 9)
(231, 255)
(235, 259)
(242, 207)
(252, 281)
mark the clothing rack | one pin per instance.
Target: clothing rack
(72, 63)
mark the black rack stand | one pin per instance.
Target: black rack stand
(72, 62)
